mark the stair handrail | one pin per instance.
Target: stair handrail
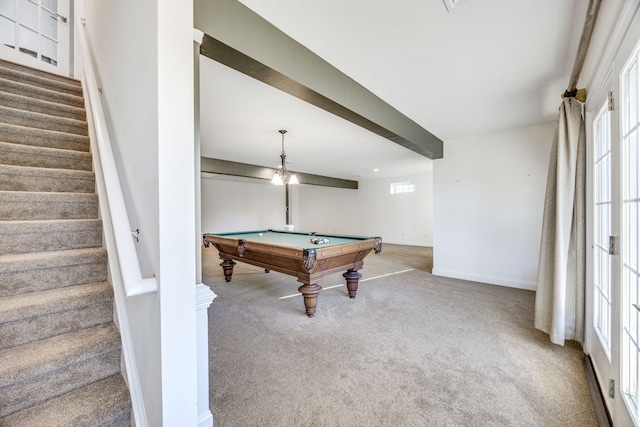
(133, 281)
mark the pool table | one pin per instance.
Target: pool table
(307, 256)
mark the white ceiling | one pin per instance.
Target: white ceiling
(487, 66)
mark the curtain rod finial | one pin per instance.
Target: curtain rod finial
(579, 94)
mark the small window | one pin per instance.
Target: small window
(401, 187)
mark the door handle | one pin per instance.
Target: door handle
(62, 18)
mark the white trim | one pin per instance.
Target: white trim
(204, 298)
(198, 35)
(620, 29)
(606, 78)
(490, 280)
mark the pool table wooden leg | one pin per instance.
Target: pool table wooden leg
(352, 277)
(227, 268)
(310, 293)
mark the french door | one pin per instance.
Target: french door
(613, 128)
(36, 33)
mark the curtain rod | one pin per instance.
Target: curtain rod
(587, 30)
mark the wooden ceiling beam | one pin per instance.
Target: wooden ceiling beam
(239, 38)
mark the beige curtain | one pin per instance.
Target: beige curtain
(560, 295)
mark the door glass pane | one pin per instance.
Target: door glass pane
(7, 32)
(630, 233)
(8, 8)
(49, 51)
(38, 28)
(51, 5)
(602, 224)
(49, 24)
(28, 14)
(28, 42)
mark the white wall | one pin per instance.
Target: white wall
(371, 210)
(128, 74)
(240, 204)
(488, 202)
(235, 204)
(130, 104)
(143, 52)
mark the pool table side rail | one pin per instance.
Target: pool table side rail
(374, 243)
(301, 233)
(296, 267)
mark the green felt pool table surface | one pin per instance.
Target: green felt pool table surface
(292, 239)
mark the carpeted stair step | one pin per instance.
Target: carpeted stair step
(24, 273)
(40, 106)
(43, 138)
(43, 93)
(56, 158)
(26, 205)
(25, 178)
(17, 72)
(14, 116)
(18, 237)
(102, 403)
(34, 316)
(35, 372)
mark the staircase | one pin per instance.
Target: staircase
(59, 347)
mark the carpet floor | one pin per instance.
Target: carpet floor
(412, 349)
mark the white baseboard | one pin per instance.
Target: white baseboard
(407, 243)
(205, 420)
(492, 280)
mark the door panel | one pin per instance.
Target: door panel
(630, 169)
(34, 33)
(602, 344)
(613, 124)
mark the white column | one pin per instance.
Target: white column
(176, 211)
(204, 298)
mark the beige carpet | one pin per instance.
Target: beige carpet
(59, 347)
(411, 350)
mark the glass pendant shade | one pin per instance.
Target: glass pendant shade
(277, 179)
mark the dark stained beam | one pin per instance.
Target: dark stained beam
(226, 167)
(239, 38)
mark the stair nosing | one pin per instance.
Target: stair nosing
(53, 107)
(72, 87)
(42, 117)
(49, 151)
(30, 226)
(28, 89)
(116, 381)
(34, 71)
(40, 259)
(16, 365)
(48, 172)
(21, 129)
(50, 301)
(48, 194)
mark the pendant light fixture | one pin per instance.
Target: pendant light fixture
(283, 176)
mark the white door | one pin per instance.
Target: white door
(613, 126)
(602, 343)
(36, 33)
